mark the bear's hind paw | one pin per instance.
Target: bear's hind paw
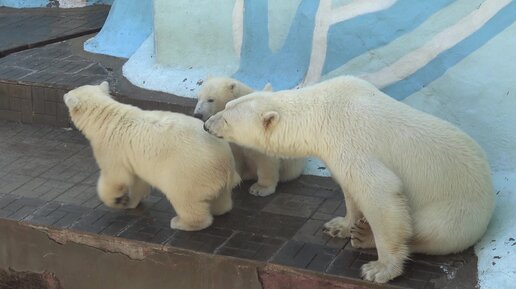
(379, 272)
(122, 201)
(362, 235)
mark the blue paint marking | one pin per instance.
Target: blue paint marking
(358, 35)
(255, 54)
(439, 65)
(285, 68)
(23, 3)
(128, 24)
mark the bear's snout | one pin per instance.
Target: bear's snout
(198, 115)
(207, 129)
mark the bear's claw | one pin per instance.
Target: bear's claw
(337, 227)
(362, 235)
(122, 201)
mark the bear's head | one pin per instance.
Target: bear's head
(252, 121)
(216, 92)
(85, 98)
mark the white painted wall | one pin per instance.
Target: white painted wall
(194, 35)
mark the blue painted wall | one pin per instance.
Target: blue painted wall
(128, 24)
(447, 59)
(286, 67)
(376, 29)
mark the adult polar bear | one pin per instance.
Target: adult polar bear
(135, 148)
(251, 164)
(423, 185)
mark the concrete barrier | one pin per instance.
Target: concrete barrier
(128, 24)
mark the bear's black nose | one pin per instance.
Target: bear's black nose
(198, 115)
(205, 128)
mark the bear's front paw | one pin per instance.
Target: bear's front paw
(379, 272)
(178, 224)
(261, 191)
(337, 227)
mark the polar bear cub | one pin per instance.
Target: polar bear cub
(251, 164)
(135, 149)
(423, 185)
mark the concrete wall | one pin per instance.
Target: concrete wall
(76, 260)
(435, 57)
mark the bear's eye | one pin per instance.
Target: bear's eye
(211, 100)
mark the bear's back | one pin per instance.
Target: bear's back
(426, 152)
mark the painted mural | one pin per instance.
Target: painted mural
(295, 43)
(324, 36)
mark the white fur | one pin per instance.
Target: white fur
(423, 185)
(251, 164)
(135, 149)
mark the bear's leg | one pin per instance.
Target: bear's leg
(268, 176)
(223, 203)
(138, 190)
(291, 169)
(112, 190)
(379, 196)
(362, 235)
(192, 215)
(446, 227)
(241, 165)
(340, 226)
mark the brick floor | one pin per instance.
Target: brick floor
(48, 176)
(33, 81)
(42, 25)
(42, 57)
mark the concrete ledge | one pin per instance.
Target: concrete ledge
(68, 254)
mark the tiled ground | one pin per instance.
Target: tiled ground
(34, 79)
(48, 175)
(33, 27)
(33, 82)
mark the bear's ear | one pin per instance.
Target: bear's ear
(270, 119)
(104, 86)
(267, 87)
(71, 101)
